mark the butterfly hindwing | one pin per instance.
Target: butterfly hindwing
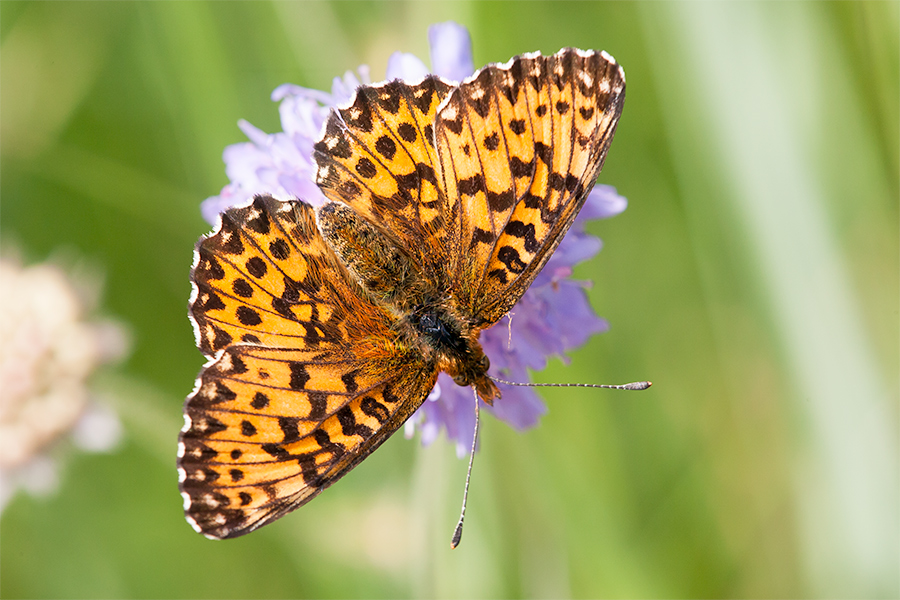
(271, 428)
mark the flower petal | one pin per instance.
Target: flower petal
(406, 67)
(451, 51)
(603, 202)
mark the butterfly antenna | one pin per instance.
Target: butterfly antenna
(637, 385)
(457, 534)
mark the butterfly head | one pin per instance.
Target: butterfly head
(457, 350)
(487, 389)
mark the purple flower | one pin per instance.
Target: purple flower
(451, 51)
(552, 317)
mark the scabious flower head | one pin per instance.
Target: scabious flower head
(552, 317)
(47, 353)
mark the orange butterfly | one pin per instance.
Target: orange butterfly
(326, 327)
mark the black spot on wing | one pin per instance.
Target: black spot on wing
(256, 267)
(259, 401)
(386, 146)
(374, 408)
(482, 236)
(388, 395)
(366, 168)
(509, 256)
(248, 316)
(408, 181)
(556, 181)
(247, 429)
(500, 201)
(349, 426)
(426, 173)
(242, 288)
(279, 249)
(532, 201)
(544, 152)
(472, 185)
(276, 451)
(500, 275)
(349, 189)
(407, 132)
(349, 380)
(283, 308)
(520, 168)
(318, 405)
(526, 232)
(299, 375)
(289, 429)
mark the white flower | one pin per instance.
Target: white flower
(47, 353)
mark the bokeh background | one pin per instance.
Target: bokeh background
(753, 278)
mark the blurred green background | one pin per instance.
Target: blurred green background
(753, 278)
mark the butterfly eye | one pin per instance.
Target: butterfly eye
(462, 380)
(485, 362)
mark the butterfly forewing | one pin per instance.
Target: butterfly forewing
(520, 146)
(377, 156)
(467, 135)
(276, 419)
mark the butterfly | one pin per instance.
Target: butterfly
(325, 327)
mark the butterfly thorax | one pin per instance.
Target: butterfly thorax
(453, 343)
(425, 319)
